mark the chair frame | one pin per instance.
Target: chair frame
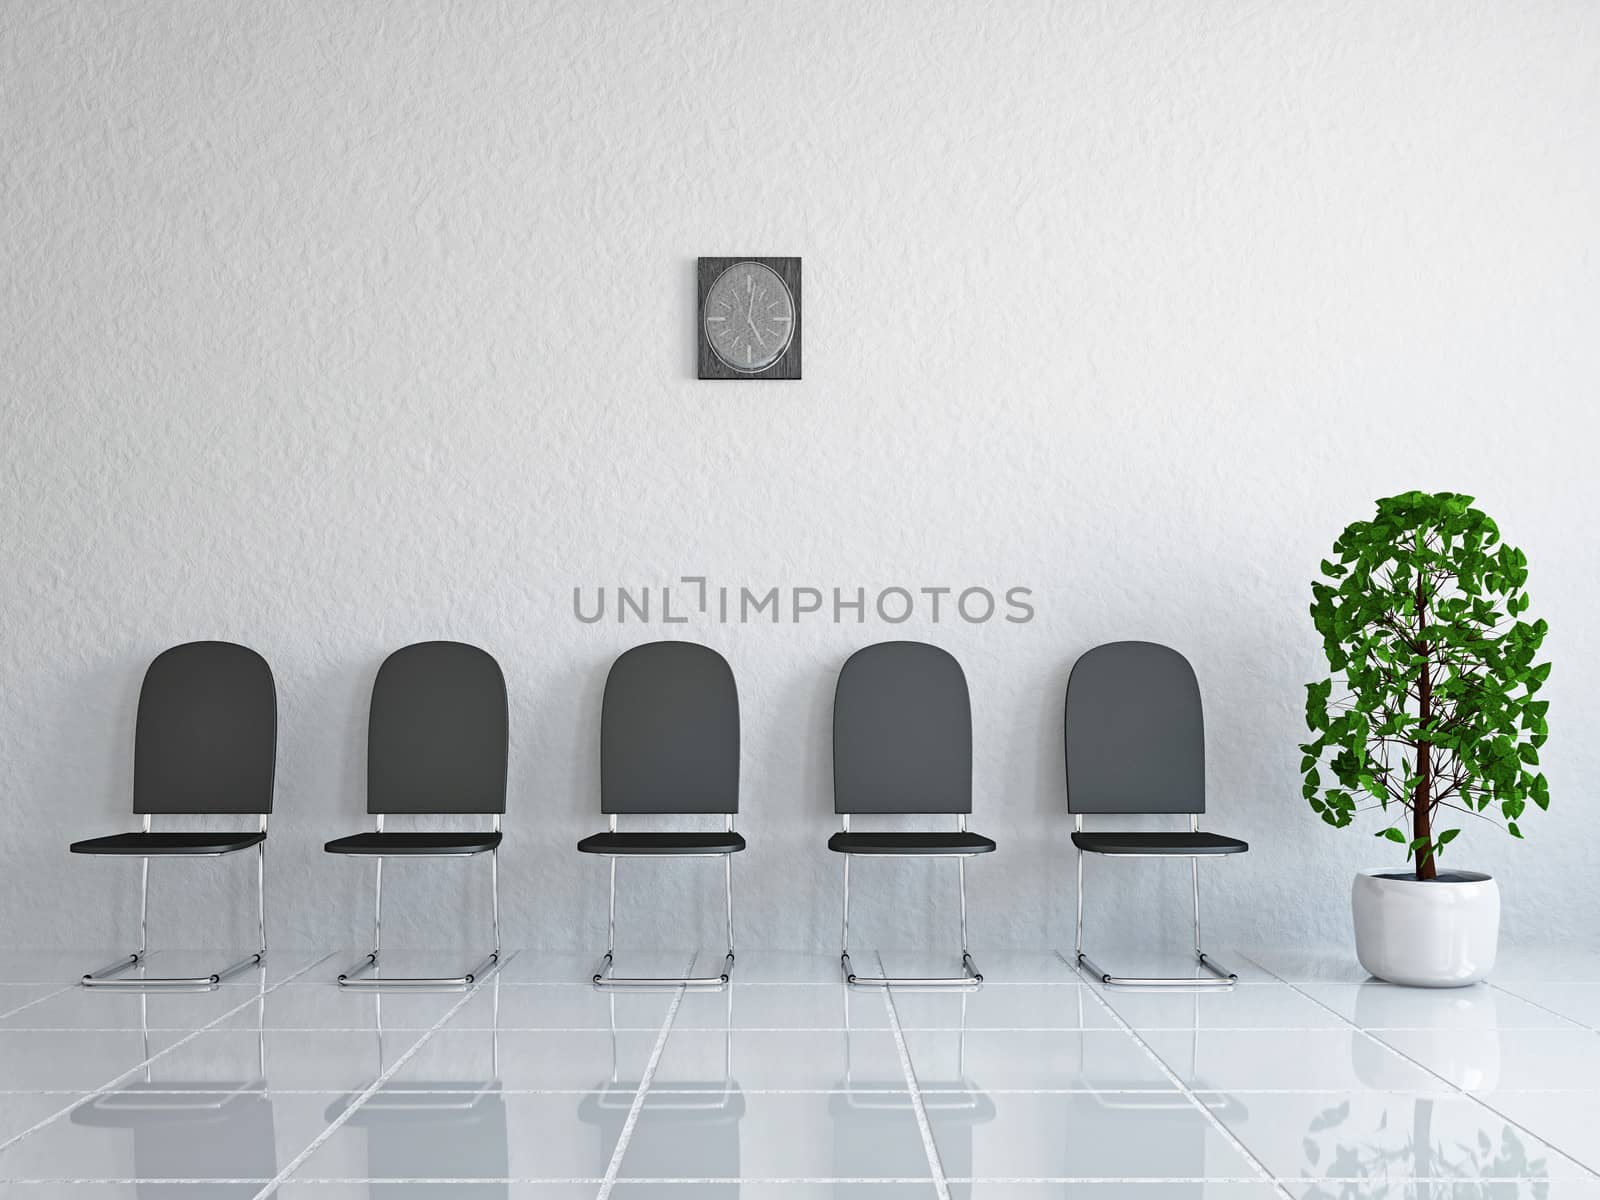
(1224, 978)
(354, 978)
(604, 979)
(110, 975)
(969, 979)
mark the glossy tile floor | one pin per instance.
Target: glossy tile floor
(1305, 1080)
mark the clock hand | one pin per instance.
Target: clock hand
(749, 319)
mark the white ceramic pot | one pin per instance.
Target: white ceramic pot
(1442, 933)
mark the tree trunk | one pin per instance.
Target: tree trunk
(1422, 798)
(1421, 801)
(1422, 1146)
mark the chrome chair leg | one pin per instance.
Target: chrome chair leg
(110, 975)
(355, 977)
(970, 976)
(1223, 978)
(603, 978)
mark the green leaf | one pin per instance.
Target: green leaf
(1393, 834)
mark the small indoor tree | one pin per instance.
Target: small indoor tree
(1436, 709)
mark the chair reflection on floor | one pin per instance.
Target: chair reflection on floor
(436, 1127)
(1177, 1143)
(1173, 1136)
(1099, 1107)
(955, 1101)
(190, 1128)
(450, 1136)
(688, 1129)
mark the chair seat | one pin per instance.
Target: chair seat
(953, 842)
(409, 842)
(1179, 842)
(141, 843)
(720, 841)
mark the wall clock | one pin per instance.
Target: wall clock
(749, 324)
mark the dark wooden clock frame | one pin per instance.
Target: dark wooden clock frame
(787, 364)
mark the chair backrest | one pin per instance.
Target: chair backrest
(902, 732)
(1135, 737)
(437, 739)
(206, 737)
(669, 732)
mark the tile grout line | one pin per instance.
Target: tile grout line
(1488, 1181)
(1188, 1092)
(1515, 995)
(366, 1093)
(1442, 1092)
(646, 1077)
(712, 1029)
(86, 1097)
(38, 1000)
(999, 985)
(813, 983)
(941, 1185)
(1459, 1091)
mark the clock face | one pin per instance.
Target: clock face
(749, 317)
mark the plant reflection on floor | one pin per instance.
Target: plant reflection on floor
(1353, 1169)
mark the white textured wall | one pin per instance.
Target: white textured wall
(332, 326)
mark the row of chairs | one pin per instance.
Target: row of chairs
(205, 743)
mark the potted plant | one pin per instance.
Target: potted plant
(1430, 715)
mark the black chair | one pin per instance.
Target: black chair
(669, 745)
(437, 744)
(1135, 742)
(902, 744)
(205, 743)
